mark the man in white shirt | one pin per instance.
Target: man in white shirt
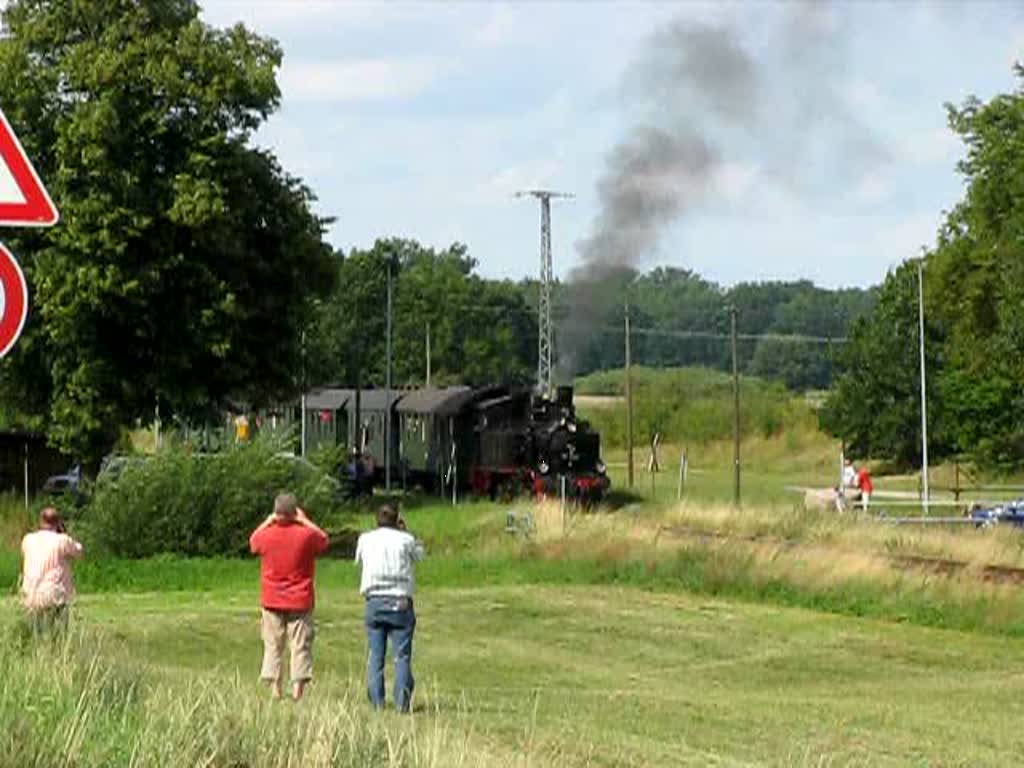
(388, 556)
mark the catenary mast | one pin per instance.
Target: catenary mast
(545, 384)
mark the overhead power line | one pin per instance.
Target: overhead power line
(795, 338)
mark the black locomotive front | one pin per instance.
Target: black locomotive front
(565, 450)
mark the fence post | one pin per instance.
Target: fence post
(562, 479)
(683, 466)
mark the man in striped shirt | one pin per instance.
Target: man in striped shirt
(388, 556)
(46, 586)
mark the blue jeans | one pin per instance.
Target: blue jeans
(392, 617)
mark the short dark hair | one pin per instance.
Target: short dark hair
(387, 516)
(50, 518)
(284, 505)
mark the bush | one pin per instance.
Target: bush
(690, 405)
(201, 504)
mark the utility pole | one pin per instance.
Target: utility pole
(545, 385)
(387, 390)
(302, 399)
(735, 413)
(629, 406)
(924, 403)
(428, 354)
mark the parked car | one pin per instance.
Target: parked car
(1010, 513)
(113, 465)
(71, 483)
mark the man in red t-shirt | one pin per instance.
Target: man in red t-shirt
(288, 543)
(866, 488)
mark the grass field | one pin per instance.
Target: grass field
(609, 642)
(578, 676)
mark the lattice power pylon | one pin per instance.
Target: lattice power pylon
(545, 383)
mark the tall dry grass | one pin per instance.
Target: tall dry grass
(852, 533)
(819, 560)
(79, 702)
(15, 520)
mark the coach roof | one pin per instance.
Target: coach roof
(327, 399)
(439, 402)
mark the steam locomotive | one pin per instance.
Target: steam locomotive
(496, 441)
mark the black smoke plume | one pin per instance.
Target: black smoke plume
(706, 97)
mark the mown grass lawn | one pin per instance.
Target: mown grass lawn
(621, 676)
(602, 643)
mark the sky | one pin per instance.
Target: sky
(422, 120)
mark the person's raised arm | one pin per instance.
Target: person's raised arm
(254, 539)
(416, 549)
(71, 548)
(302, 519)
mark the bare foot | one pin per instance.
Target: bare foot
(298, 688)
(275, 690)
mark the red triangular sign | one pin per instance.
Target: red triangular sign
(23, 199)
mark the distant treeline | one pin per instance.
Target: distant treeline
(483, 330)
(680, 319)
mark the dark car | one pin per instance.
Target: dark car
(70, 483)
(1010, 513)
(114, 465)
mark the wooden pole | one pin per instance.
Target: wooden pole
(924, 395)
(26, 474)
(682, 476)
(629, 408)
(736, 412)
(387, 388)
(428, 355)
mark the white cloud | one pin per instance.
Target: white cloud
(277, 16)
(864, 95)
(936, 147)
(504, 183)
(1016, 52)
(897, 240)
(733, 181)
(501, 28)
(347, 80)
(873, 188)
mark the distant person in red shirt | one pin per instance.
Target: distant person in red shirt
(288, 543)
(866, 487)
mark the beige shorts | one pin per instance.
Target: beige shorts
(297, 627)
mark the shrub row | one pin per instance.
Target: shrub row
(195, 504)
(692, 405)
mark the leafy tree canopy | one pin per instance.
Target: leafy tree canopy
(480, 330)
(974, 305)
(680, 318)
(180, 272)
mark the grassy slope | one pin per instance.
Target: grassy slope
(616, 676)
(558, 653)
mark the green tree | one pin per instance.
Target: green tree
(874, 404)
(481, 331)
(974, 303)
(979, 265)
(180, 272)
